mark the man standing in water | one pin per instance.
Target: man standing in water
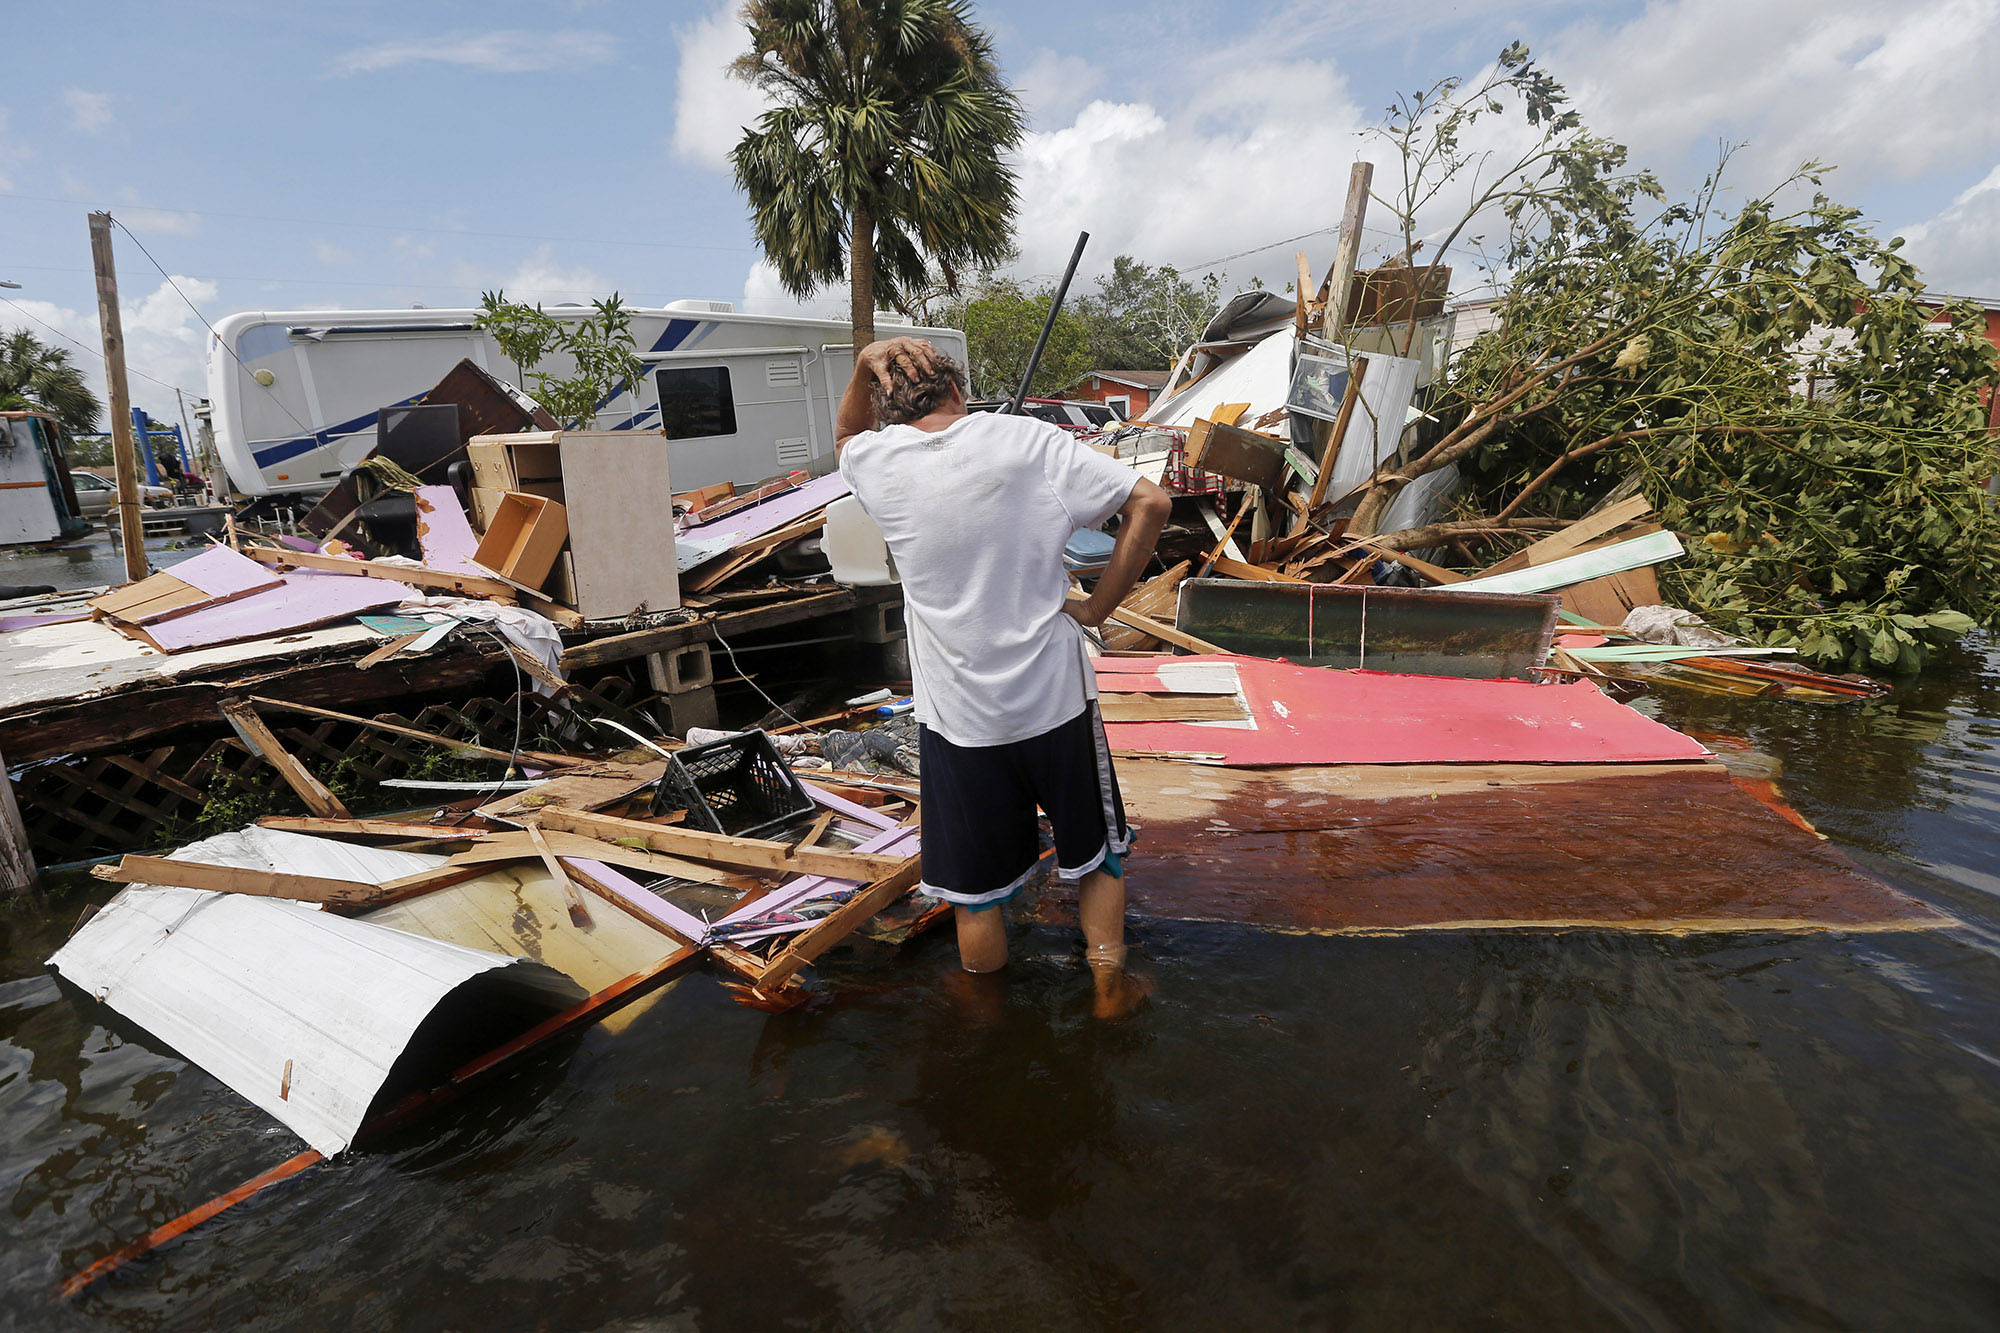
(976, 508)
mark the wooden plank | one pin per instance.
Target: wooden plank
(17, 861)
(579, 915)
(516, 847)
(250, 728)
(1305, 295)
(469, 585)
(578, 789)
(132, 869)
(389, 650)
(1164, 633)
(1225, 537)
(1435, 573)
(721, 849)
(538, 758)
(372, 828)
(1333, 292)
(1237, 569)
(1116, 707)
(1357, 371)
(1575, 536)
(841, 923)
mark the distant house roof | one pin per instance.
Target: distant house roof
(1138, 379)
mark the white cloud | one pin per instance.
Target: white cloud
(503, 51)
(164, 341)
(328, 253)
(539, 277)
(1873, 88)
(88, 111)
(712, 107)
(763, 294)
(1168, 183)
(1959, 249)
(1054, 86)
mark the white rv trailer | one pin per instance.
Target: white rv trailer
(295, 393)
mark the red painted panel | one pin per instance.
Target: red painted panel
(1311, 715)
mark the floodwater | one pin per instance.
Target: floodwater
(1582, 1130)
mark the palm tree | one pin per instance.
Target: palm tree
(886, 141)
(38, 375)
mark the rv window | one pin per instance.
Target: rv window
(695, 402)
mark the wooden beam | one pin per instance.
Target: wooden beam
(1305, 295)
(843, 921)
(720, 848)
(1356, 370)
(401, 830)
(234, 879)
(17, 861)
(536, 757)
(516, 847)
(579, 915)
(250, 728)
(1237, 569)
(469, 585)
(1333, 292)
(1164, 633)
(411, 886)
(1435, 573)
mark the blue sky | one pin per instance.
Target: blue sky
(366, 154)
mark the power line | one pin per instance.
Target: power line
(393, 226)
(1302, 236)
(220, 340)
(97, 352)
(340, 282)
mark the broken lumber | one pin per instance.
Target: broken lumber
(516, 847)
(490, 587)
(722, 849)
(252, 731)
(535, 757)
(843, 921)
(579, 915)
(168, 873)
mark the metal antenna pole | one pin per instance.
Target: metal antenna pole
(1055, 308)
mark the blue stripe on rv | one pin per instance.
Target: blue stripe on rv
(305, 444)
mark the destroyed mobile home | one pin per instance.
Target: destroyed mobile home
(1293, 712)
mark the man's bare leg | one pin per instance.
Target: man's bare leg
(1100, 907)
(982, 939)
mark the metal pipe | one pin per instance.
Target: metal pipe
(1055, 308)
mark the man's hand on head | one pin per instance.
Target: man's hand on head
(916, 356)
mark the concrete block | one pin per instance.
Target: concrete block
(881, 622)
(681, 669)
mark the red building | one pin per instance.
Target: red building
(1127, 392)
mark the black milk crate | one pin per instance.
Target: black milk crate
(737, 785)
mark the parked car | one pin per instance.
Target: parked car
(1078, 418)
(97, 497)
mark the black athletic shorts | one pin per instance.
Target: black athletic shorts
(981, 840)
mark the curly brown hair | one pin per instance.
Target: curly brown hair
(912, 395)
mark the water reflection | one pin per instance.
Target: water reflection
(1503, 1130)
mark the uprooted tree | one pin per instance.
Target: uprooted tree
(1773, 379)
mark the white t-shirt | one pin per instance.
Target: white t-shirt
(976, 516)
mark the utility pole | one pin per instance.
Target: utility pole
(123, 450)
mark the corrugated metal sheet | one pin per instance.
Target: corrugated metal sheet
(300, 1011)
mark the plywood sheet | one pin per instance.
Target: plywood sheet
(621, 505)
(1676, 848)
(303, 599)
(520, 912)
